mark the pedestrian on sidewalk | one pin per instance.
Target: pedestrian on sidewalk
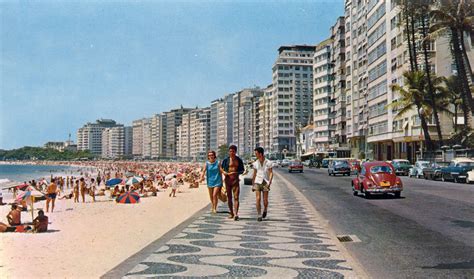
(213, 178)
(232, 167)
(261, 181)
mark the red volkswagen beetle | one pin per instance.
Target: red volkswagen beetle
(377, 178)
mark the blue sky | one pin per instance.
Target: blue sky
(63, 64)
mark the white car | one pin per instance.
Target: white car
(417, 170)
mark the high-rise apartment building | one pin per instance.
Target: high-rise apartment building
(173, 120)
(221, 128)
(242, 120)
(292, 81)
(142, 138)
(267, 115)
(194, 135)
(158, 135)
(113, 142)
(338, 89)
(89, 137)
(323, 104)
(376, 57)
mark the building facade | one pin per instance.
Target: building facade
(141, 131)
(113, 142)
(173, 120)
(89, 137)
(292, 81)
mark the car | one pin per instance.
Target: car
(401, 166)
(377, 178)
(324, 163)
(285, 163)
(295, 166)
(339, 167)
(457, 170)
(433, 172)
(355, 165)
(417, 170)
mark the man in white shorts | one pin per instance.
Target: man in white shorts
(261, 181)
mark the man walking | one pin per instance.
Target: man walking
(261, 181)
(232, 167)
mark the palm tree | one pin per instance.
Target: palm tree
(456, 17)
(412, 97)
(452, 90)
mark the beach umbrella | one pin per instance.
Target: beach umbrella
(129, 174)
(30, 196)
(128, 197)
(133, 180)
(22, 186)
(113, 182)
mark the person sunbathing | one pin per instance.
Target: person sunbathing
(67, 197)
(14, 216)
(40, 223)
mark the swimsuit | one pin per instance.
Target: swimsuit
(51, 195)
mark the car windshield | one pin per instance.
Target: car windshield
(425, 164)
(340, 163)
(380, 169)
(466, 164)
(402, 163)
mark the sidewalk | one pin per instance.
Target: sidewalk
(291, 242)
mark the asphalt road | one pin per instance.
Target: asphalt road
(428, 233)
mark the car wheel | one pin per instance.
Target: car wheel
(354, 191)
(301, 171)
(367, 195)
(467, 180)
(398, 194)
(425, 176)
(456, 180)
(418, 176)
(443, 178)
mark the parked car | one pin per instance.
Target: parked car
(433, 172)
(339, 167)
(325, 163)
(401, 166)
(355, 165)
(417, 170)
(457, 170)
(295, 166)
(377, 178)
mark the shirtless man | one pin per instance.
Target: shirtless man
(83, 188)
(14, 216)
(40, 223)
(51, 193)
(232, 167)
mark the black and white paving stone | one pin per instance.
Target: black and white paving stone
(289, 243)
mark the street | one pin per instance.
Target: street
(428, 233)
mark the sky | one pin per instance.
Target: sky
(66, 63)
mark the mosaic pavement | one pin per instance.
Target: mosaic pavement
(289, 243)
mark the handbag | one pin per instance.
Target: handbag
(222, 195)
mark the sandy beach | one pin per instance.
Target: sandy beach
(87, 240)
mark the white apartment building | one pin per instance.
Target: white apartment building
(221, 121)
(173, 120)
(242, 120)
(267, 115)
(338, 89)
(113, 142)
(89, 137)
(292, 82)
(194, 135)
(376, 57)
(141, 138)
(323, 105)
(158, 135)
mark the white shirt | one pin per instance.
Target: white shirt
(262, 171)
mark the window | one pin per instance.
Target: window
(374, 18)
(378, 71)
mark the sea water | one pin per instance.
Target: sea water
(21, 173)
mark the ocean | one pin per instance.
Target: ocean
(22, 173)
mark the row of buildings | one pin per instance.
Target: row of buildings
(328, 97)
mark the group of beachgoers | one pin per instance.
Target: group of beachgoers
(90, 182)
(222, 179)
(227, 173)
